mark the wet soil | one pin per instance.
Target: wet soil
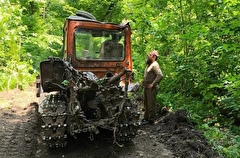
(171, 136)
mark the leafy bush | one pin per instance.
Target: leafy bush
(223, 140)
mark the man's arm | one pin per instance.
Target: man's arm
(159, 74)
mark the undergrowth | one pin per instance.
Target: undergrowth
(224, 137)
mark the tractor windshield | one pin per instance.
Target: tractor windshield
(99, 44)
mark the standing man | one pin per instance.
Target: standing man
(152, 77)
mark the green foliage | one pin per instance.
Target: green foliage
(223, 140)
(199, 46)
(36, 29)
(104, 10)
(15, 71)
(198, 43)
(16, 75)
(230, 101)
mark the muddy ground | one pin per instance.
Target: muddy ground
(172, 136)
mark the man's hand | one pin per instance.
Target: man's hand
(150, 86)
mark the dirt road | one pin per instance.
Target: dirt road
(172, 136)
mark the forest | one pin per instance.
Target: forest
(198, 42)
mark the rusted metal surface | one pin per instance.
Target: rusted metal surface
(87, 92)
(97, 66)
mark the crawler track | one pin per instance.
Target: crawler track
(55, 124)
(53, 116)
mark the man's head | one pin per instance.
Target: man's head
(152, 56)
(155, 53)
(116, 37)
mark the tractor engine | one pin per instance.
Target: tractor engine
(76, 102)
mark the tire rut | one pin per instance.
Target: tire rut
(17, 134)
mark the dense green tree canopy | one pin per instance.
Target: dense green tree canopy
(198, 42)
